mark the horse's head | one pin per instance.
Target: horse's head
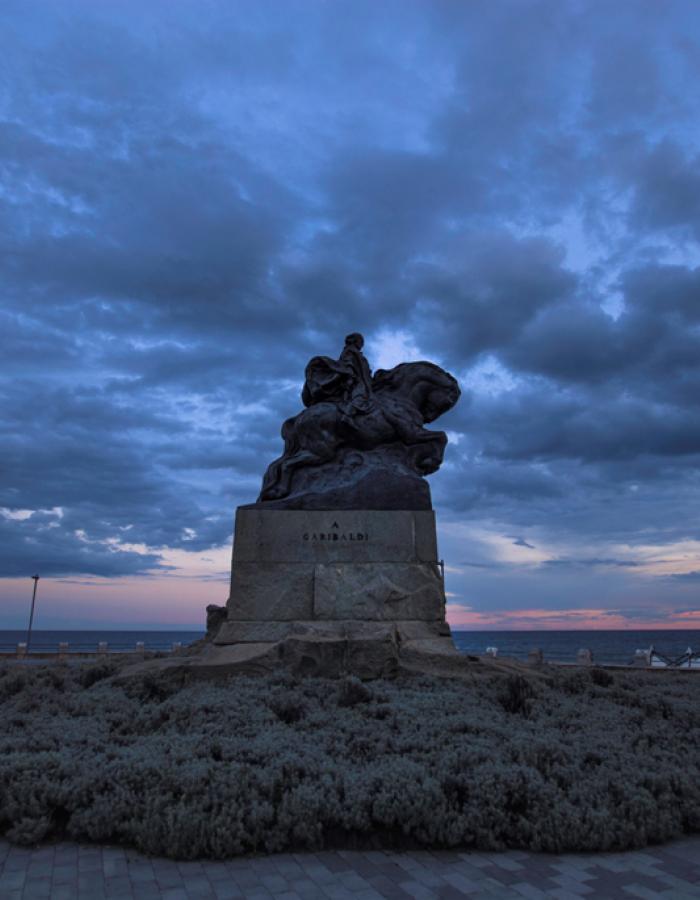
(433, 390)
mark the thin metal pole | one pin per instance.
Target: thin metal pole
(31, 614)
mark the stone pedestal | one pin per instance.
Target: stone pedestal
(333, 591)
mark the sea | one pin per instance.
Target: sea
(611, 647)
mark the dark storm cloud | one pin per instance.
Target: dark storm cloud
(139, 234)
(667, 190)
(195, 200)
(493, 285)
(687, 577)
(655, 335)
(102, 464)
(530, 425)
(482, 484)
(520, 542)
(41, 543)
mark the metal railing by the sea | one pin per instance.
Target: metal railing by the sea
(101, 649)
(647, 658)
(690, 659)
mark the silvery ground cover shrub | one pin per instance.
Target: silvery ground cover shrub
(555, 760)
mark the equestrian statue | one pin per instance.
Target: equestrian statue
(361, 441)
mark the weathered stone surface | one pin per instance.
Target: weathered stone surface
(378, 591)
(316, 656)
(233, 632)
(239, 631)
(436, 645)
(368, 653)
(210, 661)
(296, 536)
(372, 656)
(366, 649)
(271, 591)
(414, 630)
(244, 658)
(425, 537)
(358, 629)
(215, 616)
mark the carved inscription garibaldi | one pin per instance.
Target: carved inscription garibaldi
(361, 441)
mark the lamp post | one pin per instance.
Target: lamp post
(31, 614)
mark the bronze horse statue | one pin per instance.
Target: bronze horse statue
(390, 409)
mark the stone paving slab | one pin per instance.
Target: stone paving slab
(77, 872)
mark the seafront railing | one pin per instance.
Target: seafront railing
(690, 659)
(101, 649)
(649, 658)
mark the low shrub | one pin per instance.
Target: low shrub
(92, 673)
(352, 691)
(517, 696)
(601, 677)
(268, 764)
(151, 687)
(11, 682)
(575, 682)
(287, 709)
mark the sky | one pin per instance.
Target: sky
(196, 197)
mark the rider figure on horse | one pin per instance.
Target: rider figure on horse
(346, 381)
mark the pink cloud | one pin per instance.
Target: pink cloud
(565, 619)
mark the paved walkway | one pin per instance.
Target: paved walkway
(74, 872)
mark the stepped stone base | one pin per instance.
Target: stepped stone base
(369, 649)
(367, 655)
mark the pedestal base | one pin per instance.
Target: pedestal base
(327, 592)
(369, 649)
